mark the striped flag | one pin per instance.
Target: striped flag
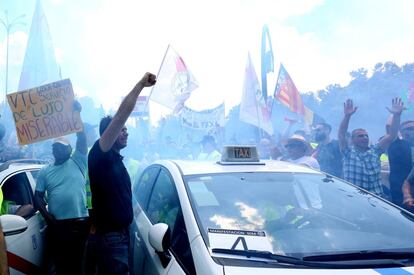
(287, 93)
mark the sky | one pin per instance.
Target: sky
(106, 46)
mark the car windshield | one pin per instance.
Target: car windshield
(295, 214)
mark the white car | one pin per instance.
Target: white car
(262, 218)
(24, 235)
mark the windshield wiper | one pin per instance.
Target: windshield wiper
(304, 262)
(362, 255)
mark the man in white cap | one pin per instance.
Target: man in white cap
(298, 150)
(67, 212)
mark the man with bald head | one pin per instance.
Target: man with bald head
(400, 156)
(361, 161)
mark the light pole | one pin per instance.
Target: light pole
(8, 25)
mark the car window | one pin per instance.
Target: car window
(144, 185)
(180, 245)
(17, 196)
(163, 204)
(164, 207)
(34, 174)
(300, 214)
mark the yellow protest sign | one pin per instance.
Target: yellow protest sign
(44, 112)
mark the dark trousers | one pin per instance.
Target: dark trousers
(112, 252)
(67, 243)
(91, 252)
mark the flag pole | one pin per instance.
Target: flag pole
(274, 92)
(258, 122)
(162, 62)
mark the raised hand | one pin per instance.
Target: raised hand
(397, 106)
(148, 80)
(291, 120)
(77, 107)
(349, 108)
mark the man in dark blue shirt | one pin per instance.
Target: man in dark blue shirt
(111, 186)
(327, 152)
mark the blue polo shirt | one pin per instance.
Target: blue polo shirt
(65, 187)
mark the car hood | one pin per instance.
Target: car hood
(238, 270)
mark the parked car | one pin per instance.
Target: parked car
(23, 226)
(245, 216)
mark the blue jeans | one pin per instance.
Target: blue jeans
(112, 252)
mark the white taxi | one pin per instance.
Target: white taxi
(243, 216)
(23, 227)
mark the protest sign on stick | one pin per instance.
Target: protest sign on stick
(44, 112)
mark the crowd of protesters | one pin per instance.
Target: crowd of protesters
(349, 154)
(106, 176)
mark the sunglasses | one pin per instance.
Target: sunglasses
(362, 135)
(291, 145)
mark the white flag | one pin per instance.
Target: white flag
(253, 107)
(39, 66)
(174, 82)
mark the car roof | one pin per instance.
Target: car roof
(191, 167)
(9, 167)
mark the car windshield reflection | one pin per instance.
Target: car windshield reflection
(295, 214)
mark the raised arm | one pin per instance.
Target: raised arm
(111, 133)
(396, 109)
(287, 132)
(81, 145)
(349, 110)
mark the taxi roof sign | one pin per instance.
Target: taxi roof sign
(239, 154)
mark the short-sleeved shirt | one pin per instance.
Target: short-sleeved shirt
(65, 187)
(307, 161)
(329, 158)
(364, 168)
(111, 190)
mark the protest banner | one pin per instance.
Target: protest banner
(44, 112)
(141, 108)
(204, 120)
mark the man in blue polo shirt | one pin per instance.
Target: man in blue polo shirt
(67, 212)
(111, 186)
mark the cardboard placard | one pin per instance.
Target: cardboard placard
(44, 112)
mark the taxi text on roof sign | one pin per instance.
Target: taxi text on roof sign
(236, 154)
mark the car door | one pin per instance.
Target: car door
(141, 192)
(25, 247)
(163, 206)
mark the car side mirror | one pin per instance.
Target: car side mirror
(159, 237)
(13, 224)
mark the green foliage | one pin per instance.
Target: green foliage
(372, 94)
(372, 91)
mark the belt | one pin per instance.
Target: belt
(124, 230)
(74, 220)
